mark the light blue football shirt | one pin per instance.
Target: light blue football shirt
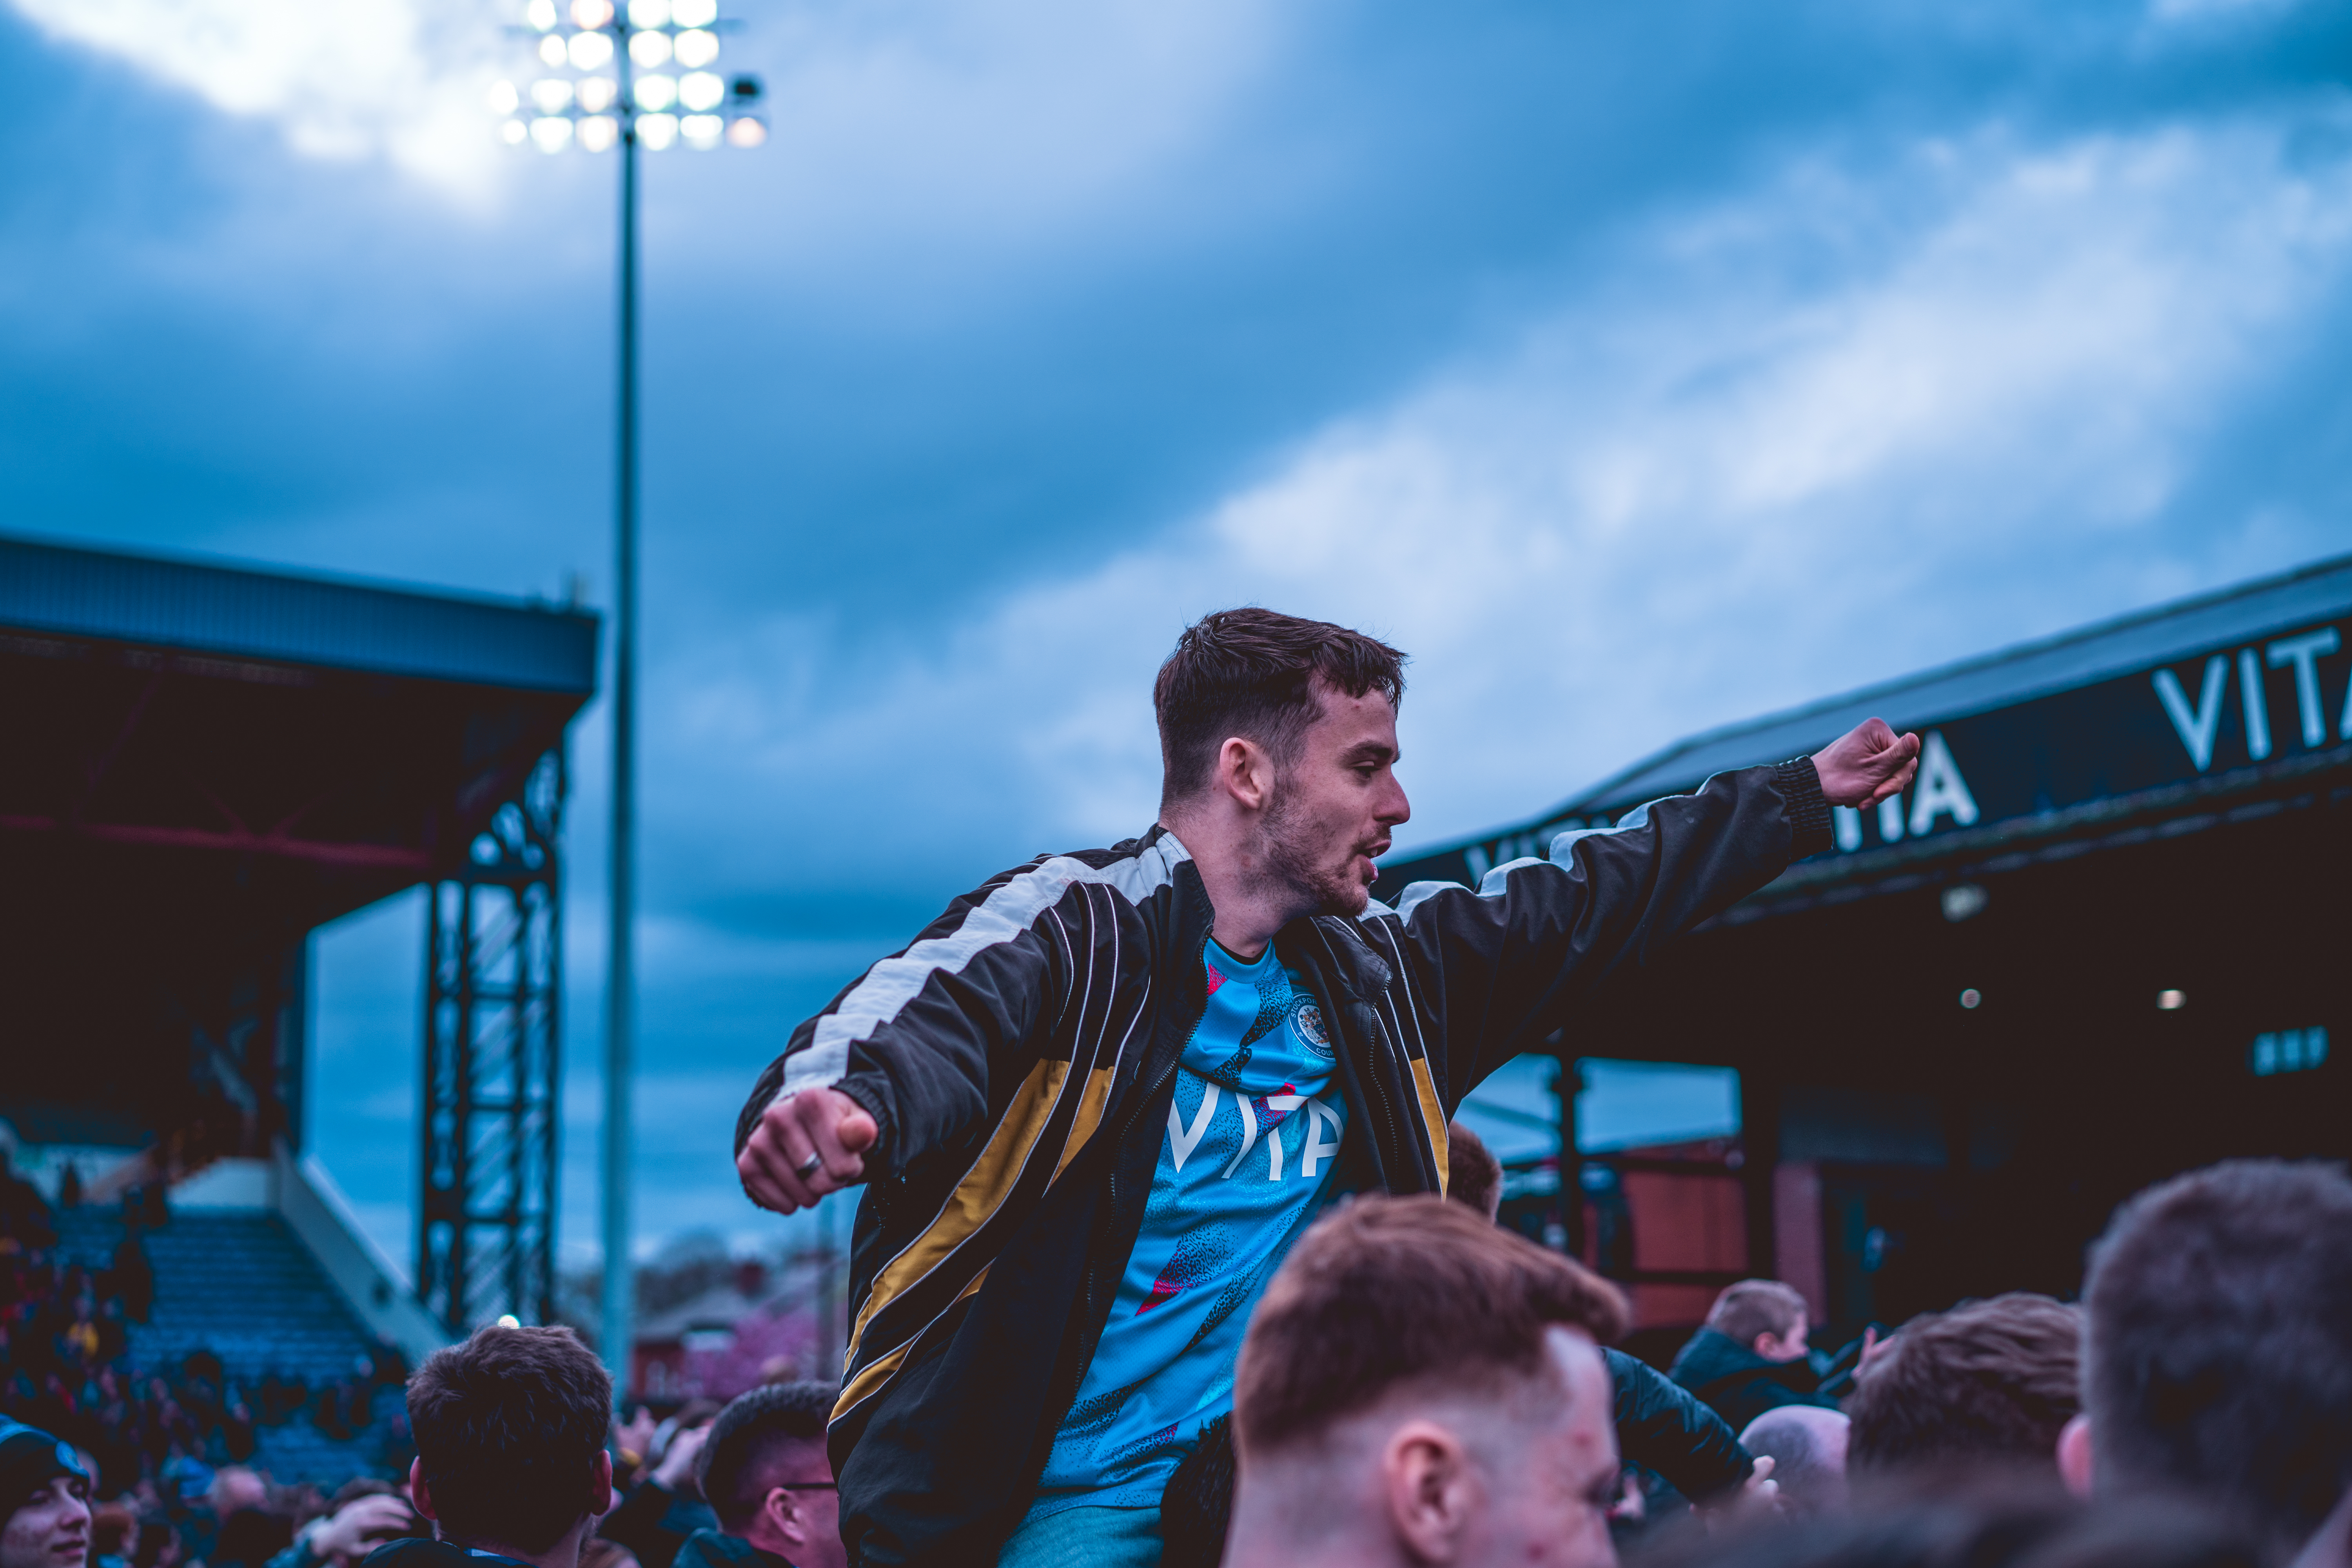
(1246, 1161)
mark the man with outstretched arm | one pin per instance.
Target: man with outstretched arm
(1096, 1100)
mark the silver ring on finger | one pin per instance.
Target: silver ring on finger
(807, 1167)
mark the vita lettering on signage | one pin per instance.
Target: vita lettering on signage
(2199, 724)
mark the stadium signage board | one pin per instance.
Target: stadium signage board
(2224, 708)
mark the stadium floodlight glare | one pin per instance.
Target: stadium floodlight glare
(609, 83)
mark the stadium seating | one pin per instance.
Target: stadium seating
(237, 1283)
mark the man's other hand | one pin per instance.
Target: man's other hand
(774, 1164)
(1866, 765)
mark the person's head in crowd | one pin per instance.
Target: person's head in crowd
(250, 1538)
(764, 1473)
(363, 1515)
(1990, 1383)
(1421, 1385)
(1764, 1316)
(1966, 1526)
(44, 1500)
(2218, 1347)
(1474, 1176)
(1807, 1446)
(510, 1429)
(1197, 1504)
(112, 1529)
(234, 1488)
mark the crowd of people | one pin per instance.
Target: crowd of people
(171, 1448)
(1171, 1257)
(1421, 1385)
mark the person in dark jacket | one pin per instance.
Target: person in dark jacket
(657, 1515)
(766, 1475)
(1661, 1426)
(511, 1461)
(1101, 1094)
(1750, 1356)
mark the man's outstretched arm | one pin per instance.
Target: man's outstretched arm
(1496, 969)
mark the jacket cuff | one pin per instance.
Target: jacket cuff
(875, 1108)
(1799, 783)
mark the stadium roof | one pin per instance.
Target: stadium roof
(2057, 735)
(160, 602)
(2001, 679)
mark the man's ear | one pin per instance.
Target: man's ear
(418, 1493)
(600, 1485)
(1430, 1491)
(2075, 1455)
(1246, 773)
(786, 1515)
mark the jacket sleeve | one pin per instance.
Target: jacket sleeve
(1495, 970)
(928, 1037)
(1661, 1426)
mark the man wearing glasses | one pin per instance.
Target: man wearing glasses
(764, 1473)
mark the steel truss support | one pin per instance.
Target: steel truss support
(493, 991)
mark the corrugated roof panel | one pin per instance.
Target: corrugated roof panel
(72, 591)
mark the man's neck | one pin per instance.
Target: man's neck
(1249, 906)
(564, 1554)
(1269, 1529)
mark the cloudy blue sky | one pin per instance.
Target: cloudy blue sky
(1637, 368)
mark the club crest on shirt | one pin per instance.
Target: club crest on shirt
(1306, 1022)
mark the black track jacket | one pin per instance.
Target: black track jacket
(1020, 1057)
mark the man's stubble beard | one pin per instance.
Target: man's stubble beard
(1290, 861)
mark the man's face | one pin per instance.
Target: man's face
(52, 1531)
(802, 1520)
(1554, 1510)
(1334, 808)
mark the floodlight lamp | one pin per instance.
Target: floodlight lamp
(590, 16)
(591, 51)
(515, 132)
(598, 132)
(552, 51)
(503, 98)
(552, 94)
(551, 131)
(655, 93)
(598, 93)
(696, 48)
(702, 91)
(746, 130)
(657, 131)
(694, 13)
(541, 14)
(702, 131)
(647, 14)
(650, 50)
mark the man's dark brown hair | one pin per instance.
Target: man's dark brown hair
(1474, 1176)
(508, 1427)
(1251, 672)
(1754, 1307)
(742, 1459)
(2217, 1353)
(1383, 1293)
(1991, 1383)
